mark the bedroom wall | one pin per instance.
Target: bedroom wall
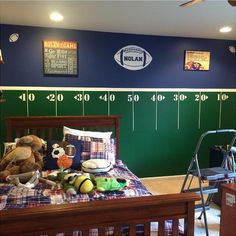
(164, 109)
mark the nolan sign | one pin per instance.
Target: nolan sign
(133, 57)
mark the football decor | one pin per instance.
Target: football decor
(232, 49)
(133, 57)
(13, 37)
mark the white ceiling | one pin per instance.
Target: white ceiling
(164, 18)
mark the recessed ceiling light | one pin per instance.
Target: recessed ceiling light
(56, 16)
(225, 29)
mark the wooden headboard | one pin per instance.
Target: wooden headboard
(51, 127)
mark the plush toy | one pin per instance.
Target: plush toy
(72, 182)
(104, 184)
(26, 157)
(77, 183)
(64, 152)
(28, 179)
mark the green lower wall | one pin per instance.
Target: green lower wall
(159, 128)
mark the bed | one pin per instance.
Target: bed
(100, 216)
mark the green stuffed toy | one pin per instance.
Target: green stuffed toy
(104, 184)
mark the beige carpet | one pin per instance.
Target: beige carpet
(173, 184)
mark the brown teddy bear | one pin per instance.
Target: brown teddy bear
(24, 158)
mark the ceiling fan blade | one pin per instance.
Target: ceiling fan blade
(232, 3)
(190, 3)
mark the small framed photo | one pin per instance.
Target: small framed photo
(197, 60)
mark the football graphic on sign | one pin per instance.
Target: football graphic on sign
(133, 57)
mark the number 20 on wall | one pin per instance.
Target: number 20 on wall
(55, 97)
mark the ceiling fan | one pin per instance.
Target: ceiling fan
(194, 2)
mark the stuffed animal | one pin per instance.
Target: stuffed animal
(26, 157)
(76, 183)
(64, 152)
(104, 184)
(72, 182)
(28, 179)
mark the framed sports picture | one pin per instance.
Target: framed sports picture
(60, 57)
(196, 60)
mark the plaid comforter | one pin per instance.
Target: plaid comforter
(42, 194)
(15, 197)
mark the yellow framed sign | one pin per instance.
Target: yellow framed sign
(197, 60)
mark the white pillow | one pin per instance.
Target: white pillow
(96, 165)
(93, 134)
(233, 149)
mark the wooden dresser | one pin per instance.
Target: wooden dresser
(228, 210)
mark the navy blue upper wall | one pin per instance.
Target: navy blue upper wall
(97, 67)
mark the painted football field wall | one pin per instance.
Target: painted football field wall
(163, 108)
(159, 129)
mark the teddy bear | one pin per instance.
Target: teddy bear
(25, 157)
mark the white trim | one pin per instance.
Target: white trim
(199, 110)
(156, 112)
(30, 88)
(27, 103)
(178, 108)
(220, 110)
(56, 102)
(83, 104)
(108, 103)
(133, 111)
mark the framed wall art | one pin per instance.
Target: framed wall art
(196, 60)
(60, 57)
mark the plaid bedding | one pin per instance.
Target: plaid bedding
(14, 197)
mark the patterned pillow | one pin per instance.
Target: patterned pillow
(62, 154)
(95, 148)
